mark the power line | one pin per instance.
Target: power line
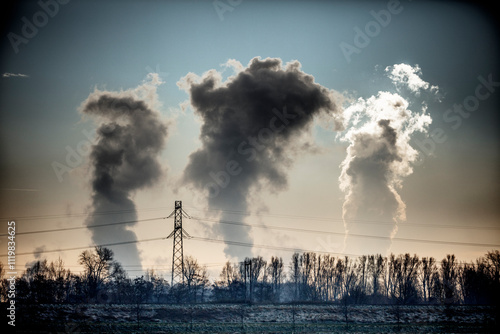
(84, 227)
(237, 243)
(283, 228)
(350, 234)
(87, 247)
(234, 243)
(289, 249)
(354, 221)
(83, 214)
(246, 244)
(246, 213)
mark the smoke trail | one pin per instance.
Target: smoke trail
(253, 126)
(130, 137)
(379, 157)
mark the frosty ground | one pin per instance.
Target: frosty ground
(245, 318)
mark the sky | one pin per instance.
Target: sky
(66, 65)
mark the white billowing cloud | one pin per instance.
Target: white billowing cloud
(14, 75)
(379, 157)
(409, 76)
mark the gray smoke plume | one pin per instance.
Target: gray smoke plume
(378, 158)
(130, 137)
(253, 125)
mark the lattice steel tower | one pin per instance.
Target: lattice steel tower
(178, 252)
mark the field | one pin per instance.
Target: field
(244, 318)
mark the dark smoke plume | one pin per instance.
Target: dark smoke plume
(253, 126)
(130, 137)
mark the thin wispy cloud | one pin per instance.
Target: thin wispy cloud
(20, 189)
(14, 75)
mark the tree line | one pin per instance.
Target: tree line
(309, 277)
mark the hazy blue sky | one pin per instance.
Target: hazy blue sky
(113, 45)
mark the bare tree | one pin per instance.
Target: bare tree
(390, 276)
(257, 275)
(228, 274)
(402, 278)
(37, 278)
(362, 271)
(230, 285)
(160, 285)
(98, 266)
(308, 265)
(477, 282)
(409, 277)
(375, 268)
(338, 278)
(493, 258)
(326, 277)
(60, 277)
(295, 268)
(348, 278)
(276, 272)
(428, 269)
(449, 278)
(196, 278)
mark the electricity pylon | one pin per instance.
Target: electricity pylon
(178, 253)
